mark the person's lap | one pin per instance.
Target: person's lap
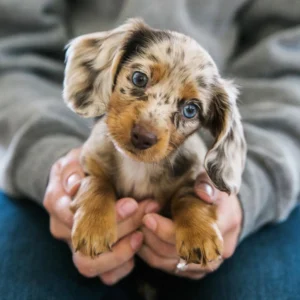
(35, 266)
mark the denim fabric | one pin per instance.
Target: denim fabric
(34, 266)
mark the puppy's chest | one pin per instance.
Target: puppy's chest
(137, 180)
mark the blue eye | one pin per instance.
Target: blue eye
(190, 111)
(139, 79)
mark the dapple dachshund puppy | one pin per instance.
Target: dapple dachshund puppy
(156, 89)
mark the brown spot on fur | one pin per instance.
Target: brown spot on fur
(82, 97)
(189, 91)
(214, 174)
(122, 90)
(153, 58)
(218, 112)
(201, 82)
(137, 42)
(158, 71)
(176, 139)
(83, 93)
(169, 50)
(175, 119)
(182, 165)
(139, 94)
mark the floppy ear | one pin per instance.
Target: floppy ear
(91, 61)
(225, 161)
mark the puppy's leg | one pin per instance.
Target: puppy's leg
(94, 230)
(198, 239)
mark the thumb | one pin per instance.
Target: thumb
(72, 183)
(205, 189)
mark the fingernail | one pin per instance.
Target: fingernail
(206, 188)
(72, 181)
(127, 208)
(152, 207)
(150, 222)
(136, 241)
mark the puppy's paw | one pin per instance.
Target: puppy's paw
(93, 233)
(199, 244)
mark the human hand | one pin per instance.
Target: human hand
(159, 249)
(64, 181)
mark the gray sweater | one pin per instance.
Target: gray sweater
(257, 42)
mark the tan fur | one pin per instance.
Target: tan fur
(98, 79)
(189, 91)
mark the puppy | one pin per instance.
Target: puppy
(156, 89)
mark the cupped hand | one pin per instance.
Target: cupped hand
(159, 250)
(64, 181)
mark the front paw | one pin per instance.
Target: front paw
(199, 244)
(93, 233)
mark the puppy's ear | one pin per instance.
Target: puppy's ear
(91, 62)
(225, 161)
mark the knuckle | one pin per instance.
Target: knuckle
(196, 276)
(154, 261)
(108, 279)
(86, 272)
(228, 252)
(129, 266)
(46, 202)
(54, 230)
(83, 267)
(236, 221)
(119, 258)
(165, 249)
(49, 198)
(49, 195)
(71, 157)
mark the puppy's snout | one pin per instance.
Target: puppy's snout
(141, 138)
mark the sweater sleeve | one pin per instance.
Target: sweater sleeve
(267, 63)
(35, 126)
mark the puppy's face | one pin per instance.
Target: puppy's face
(156, 89)
(161, 92)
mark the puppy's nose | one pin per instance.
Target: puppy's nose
(141, 138)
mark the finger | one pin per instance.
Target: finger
(156, 261)
(72, 183)
(122, 252)
(135, 220)
(125, 207)
(205, 189)
(71, 171)
(55, 170)
(190, 275)
(230, 243)
(71, 177)
(113, 276)
(61, 211)
(163, 227)
(59, 230)
(229, 214)
(158, 246)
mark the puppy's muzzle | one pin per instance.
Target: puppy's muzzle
(141, 138)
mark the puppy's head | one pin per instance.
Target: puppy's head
(156, 89)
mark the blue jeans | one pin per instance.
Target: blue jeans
(34, 266)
